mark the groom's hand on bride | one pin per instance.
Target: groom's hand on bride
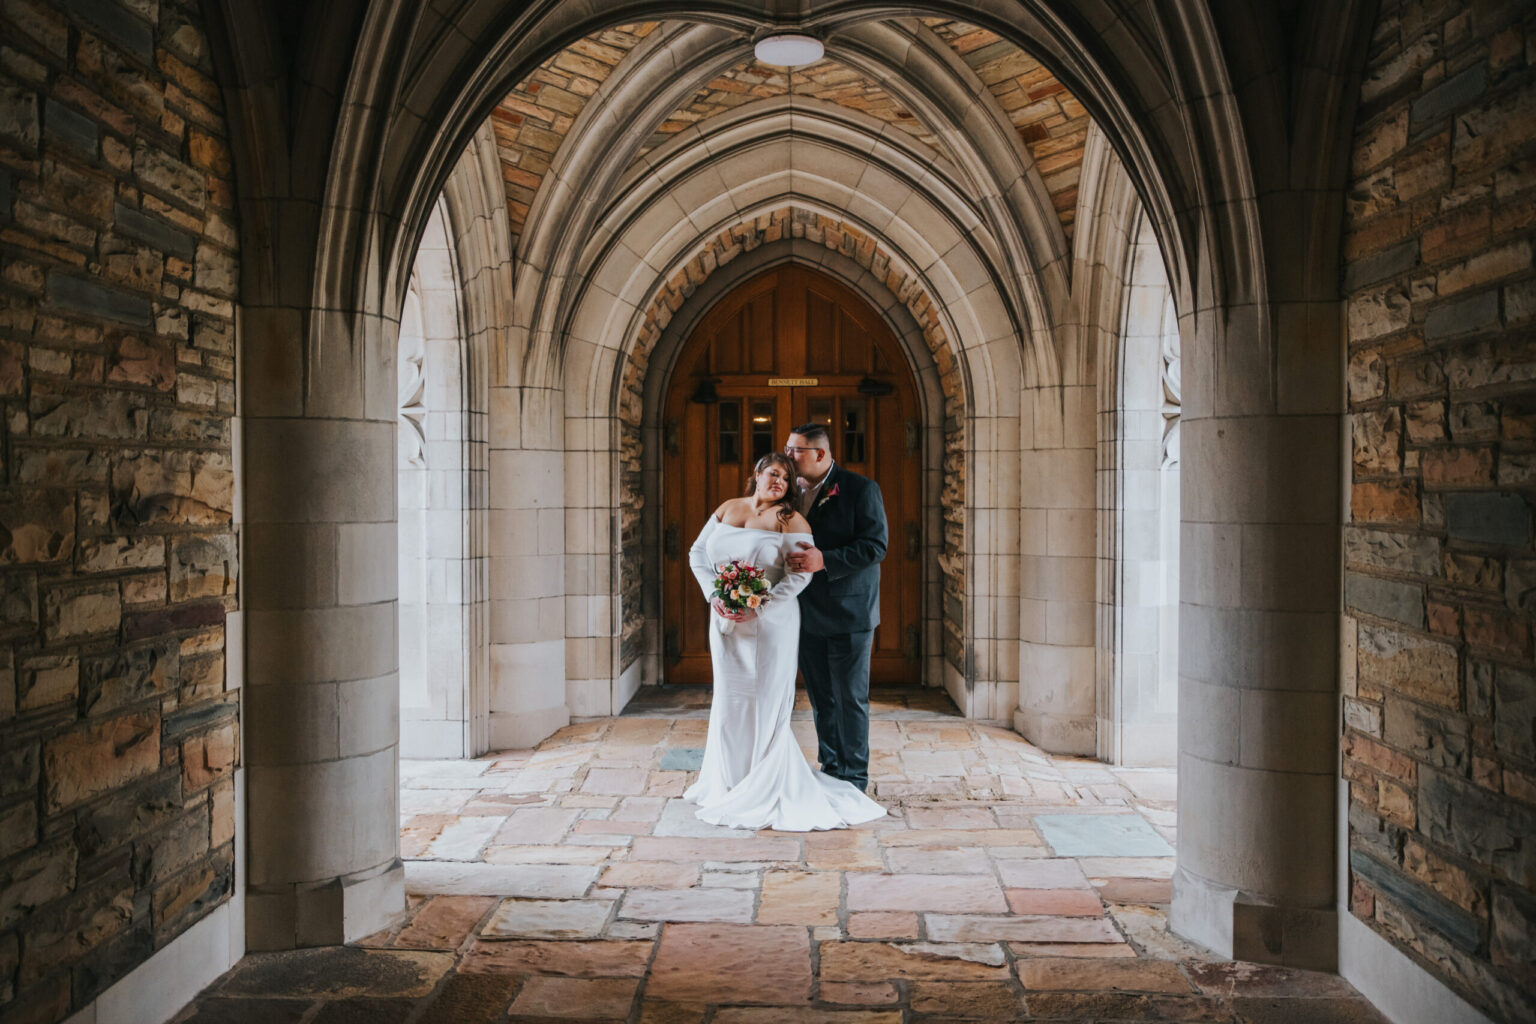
(807, 559)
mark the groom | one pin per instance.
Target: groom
(840, 608)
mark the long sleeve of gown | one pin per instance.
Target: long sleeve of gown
(793, 582)
(698, 559)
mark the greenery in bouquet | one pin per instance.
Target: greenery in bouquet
(740, 586)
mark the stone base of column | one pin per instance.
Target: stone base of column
(343, 910)
(519, 730)
(1076, 735)
(1236, 925)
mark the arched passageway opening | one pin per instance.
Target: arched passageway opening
(788, 347)
(618, 195)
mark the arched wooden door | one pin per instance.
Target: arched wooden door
(784, 348)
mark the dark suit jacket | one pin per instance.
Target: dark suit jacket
(848, 522)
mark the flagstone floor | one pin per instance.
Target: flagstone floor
(571, 882)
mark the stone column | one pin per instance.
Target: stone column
(1056, 604)
(527, 566)
(322, 689)
(1258, 634)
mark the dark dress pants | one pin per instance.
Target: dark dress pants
(836, 670)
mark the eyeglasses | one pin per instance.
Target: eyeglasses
(791, 449)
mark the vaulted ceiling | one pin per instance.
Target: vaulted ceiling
(532, 122)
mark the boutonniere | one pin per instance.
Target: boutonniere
(828, 496)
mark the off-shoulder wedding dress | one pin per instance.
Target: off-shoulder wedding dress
(753, 774)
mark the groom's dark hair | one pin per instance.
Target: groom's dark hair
(814, 432)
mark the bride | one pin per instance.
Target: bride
(754, 775)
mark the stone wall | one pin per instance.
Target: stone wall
(118, 733)
(1439, 745)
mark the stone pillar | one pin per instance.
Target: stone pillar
(1056, 604)
(322, 689)
(1258, 634)
(527, 566)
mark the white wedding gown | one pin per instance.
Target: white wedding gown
(753, 774)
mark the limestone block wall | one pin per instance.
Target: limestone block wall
(119, 717)
(1439, 735)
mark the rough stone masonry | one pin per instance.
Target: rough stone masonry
(118, 734)
(1440, 582)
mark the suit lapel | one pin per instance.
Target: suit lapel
(822, 497)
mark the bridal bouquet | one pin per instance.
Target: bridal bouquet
(740, 586)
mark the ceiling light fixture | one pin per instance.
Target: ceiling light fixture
(789, 50)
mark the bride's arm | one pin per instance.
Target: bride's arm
(793, 582)
(698, 559)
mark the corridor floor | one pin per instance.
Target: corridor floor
(571, 882)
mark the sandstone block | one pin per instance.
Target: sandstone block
(181, 897)
(1461, 888)
(36, 879)
(209, 757)
(70, 930)
(109, 681)
(203, 567)
(18, 115)
(1432, 737)
(1476, 824)
(110, 554)
(19, 765)
(18, 827)
(100, 757)
(221, 813)
(37, 526)
(1377, 313)
(173, 487)
(46, 679)
(170, 178)
(1423, 669)
(1377, 438)
(143, 363)
(81, 611)
(1513, 938)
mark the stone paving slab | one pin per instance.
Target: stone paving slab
(548, 919)
(1101, 835)
(552, 880)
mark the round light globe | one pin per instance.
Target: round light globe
(789, 51)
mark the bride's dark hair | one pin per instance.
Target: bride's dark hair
(790, 503)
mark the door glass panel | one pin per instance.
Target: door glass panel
(855, 430)
(730, 431)
(762, 428)
(819, 410)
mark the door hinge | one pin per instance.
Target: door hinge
(671, 649)
(914, 540)
(669, 541)
(669, 437)
(914, 436)
(913, 642)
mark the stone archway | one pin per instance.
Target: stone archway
(637, 412)
(1252, 384)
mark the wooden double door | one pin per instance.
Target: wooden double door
(788, 347)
